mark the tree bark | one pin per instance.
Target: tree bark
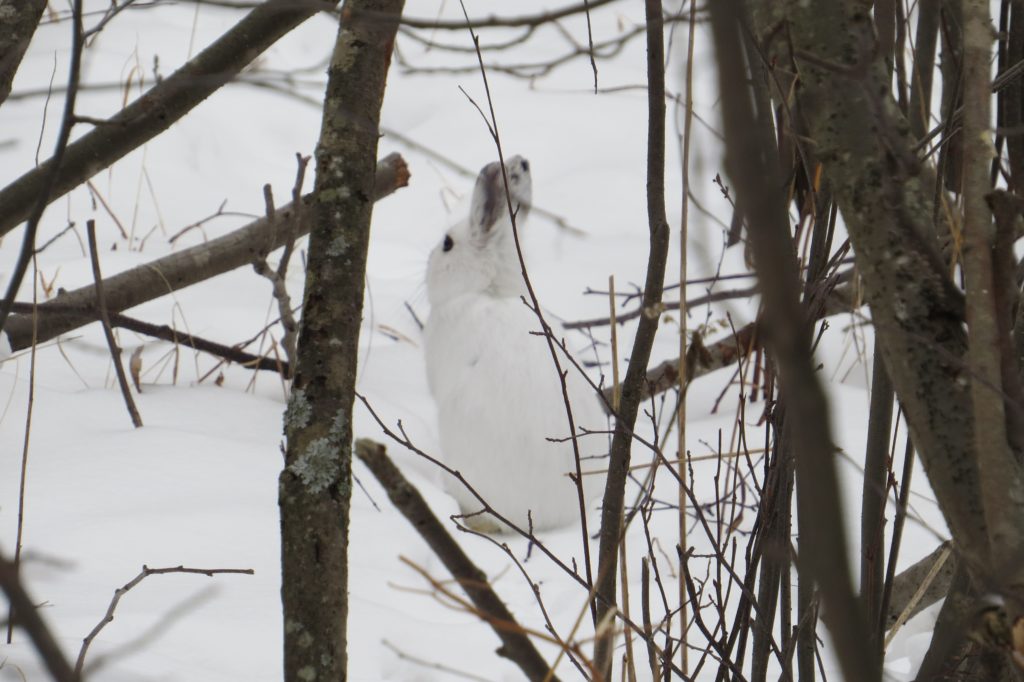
(18, 21)
(633, 384)
(752, 164)
(1001, 478)
(162, 105)
(315, 486)
(77, 308)
(866, 150)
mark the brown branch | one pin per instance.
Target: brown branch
(158, 108)
(516, 646)
(115, 352)
(752, 163)
(45, 192)
(27, 254)
(33, 624)
(124, 589)
(874, 491)
(277, 277)
(125, 290)
(632, 386)
(700, 360)
(1006, 210)
(923, 66)
(506, 22)
(896, 541)
(620, 318)
(167, 333)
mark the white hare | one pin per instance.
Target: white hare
(498, 394)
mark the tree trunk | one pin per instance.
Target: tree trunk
(17, 29)
(752, 164)
(867, 154)
(315, 485)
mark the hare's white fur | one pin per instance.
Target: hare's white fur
(499, 397)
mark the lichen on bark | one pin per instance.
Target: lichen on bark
(315, 485)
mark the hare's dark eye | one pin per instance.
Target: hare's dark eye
(448, 243)
(526, 165)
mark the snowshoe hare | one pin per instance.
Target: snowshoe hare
(498, 394)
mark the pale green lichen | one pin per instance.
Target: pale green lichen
(337, 246)
(345, 51)
(305, 640)
(307, 673)
(335, 194)
(298, 412)
(318, 466)
(338, 427)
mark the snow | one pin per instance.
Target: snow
(197, 485)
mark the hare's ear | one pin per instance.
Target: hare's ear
(488, 204)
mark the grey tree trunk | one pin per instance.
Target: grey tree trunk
(315, 485)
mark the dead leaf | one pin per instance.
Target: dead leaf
(135, 368)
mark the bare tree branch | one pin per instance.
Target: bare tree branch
(157, 109)
(115, 352)
(48, 180)
(507, 22)
(33, 624)
(108, 617)
(76, 308)
(752, 164)
(516, 646)
(633, 385)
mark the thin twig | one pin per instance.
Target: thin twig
(713, 297)
(506, 22)
(590, 43)
(277, 277)
(440, 667)
(28, 243)
(534, 305)
(115, 352)
(121, 591)
(683, 453)
(23, 474)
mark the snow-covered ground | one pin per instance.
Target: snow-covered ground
(197, 484)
